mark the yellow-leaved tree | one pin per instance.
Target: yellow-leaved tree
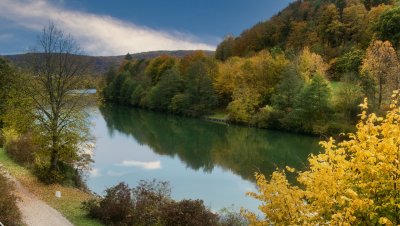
(382, 66)
(245, 83)
(353, 182)
(309, 64)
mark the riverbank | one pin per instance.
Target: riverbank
(336, 129)
(69, 205)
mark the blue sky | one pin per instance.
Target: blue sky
(105, 27)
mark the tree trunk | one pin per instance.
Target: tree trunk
(53, 160)
(54, 152)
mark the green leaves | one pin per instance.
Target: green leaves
(182, 86)
(313, 103)
(388, 26)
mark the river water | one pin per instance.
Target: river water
(200, 159)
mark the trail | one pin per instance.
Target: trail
(34, 211)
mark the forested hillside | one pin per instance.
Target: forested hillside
(305, 70)
(330, 28)
(100, 64)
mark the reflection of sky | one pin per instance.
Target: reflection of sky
(118, 157)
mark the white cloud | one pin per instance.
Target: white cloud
(97, 34)
(145, 165)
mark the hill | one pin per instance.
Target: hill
(102, 63)
(328, 27)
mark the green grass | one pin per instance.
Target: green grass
(336, 86)
(219, 114)
(68, 205)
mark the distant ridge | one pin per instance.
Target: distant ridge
(102, 63)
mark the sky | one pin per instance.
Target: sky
(116, 27)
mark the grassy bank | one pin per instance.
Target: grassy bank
(68, 205)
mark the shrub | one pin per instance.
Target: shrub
(22, 149)
(187, 212)
(149, 197)
(9, 212)
(64, 174)
(122, 205)
(268, 117)
(352, 182)
(261, 118)
(114, 208)
(229, 217)
(149, 203)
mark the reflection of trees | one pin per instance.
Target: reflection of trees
(201, 145)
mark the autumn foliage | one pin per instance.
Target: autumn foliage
(382, 65)
(353, 182)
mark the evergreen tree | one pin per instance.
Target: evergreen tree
(199, 89)
(313, 103)
(128, 56)
(169, 85)
(287, 90)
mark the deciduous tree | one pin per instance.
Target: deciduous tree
(382, 65)
(309, 64)
(59, 123)
(7, 75)
(388, 26)
(353, 182)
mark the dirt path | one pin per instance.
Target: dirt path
(34, 211)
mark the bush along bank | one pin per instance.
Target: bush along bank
(150, 203)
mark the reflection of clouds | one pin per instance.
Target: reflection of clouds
(94, 172)
(144, 165)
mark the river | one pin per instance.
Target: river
(200, 159)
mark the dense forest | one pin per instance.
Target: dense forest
(305, 70)
(330, 28)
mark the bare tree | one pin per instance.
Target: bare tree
(58, 72)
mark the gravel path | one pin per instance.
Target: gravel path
(34, 211)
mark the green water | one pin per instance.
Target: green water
(200, 159)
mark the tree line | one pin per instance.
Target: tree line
(272, 89)
(165, 84)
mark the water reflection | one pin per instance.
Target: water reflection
(204, 145)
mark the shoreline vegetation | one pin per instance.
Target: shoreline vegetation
(352, 182)
(84, 208)
(9, 211)
(69, 205)
(267, 90)
(305, 70)
(275, 90)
